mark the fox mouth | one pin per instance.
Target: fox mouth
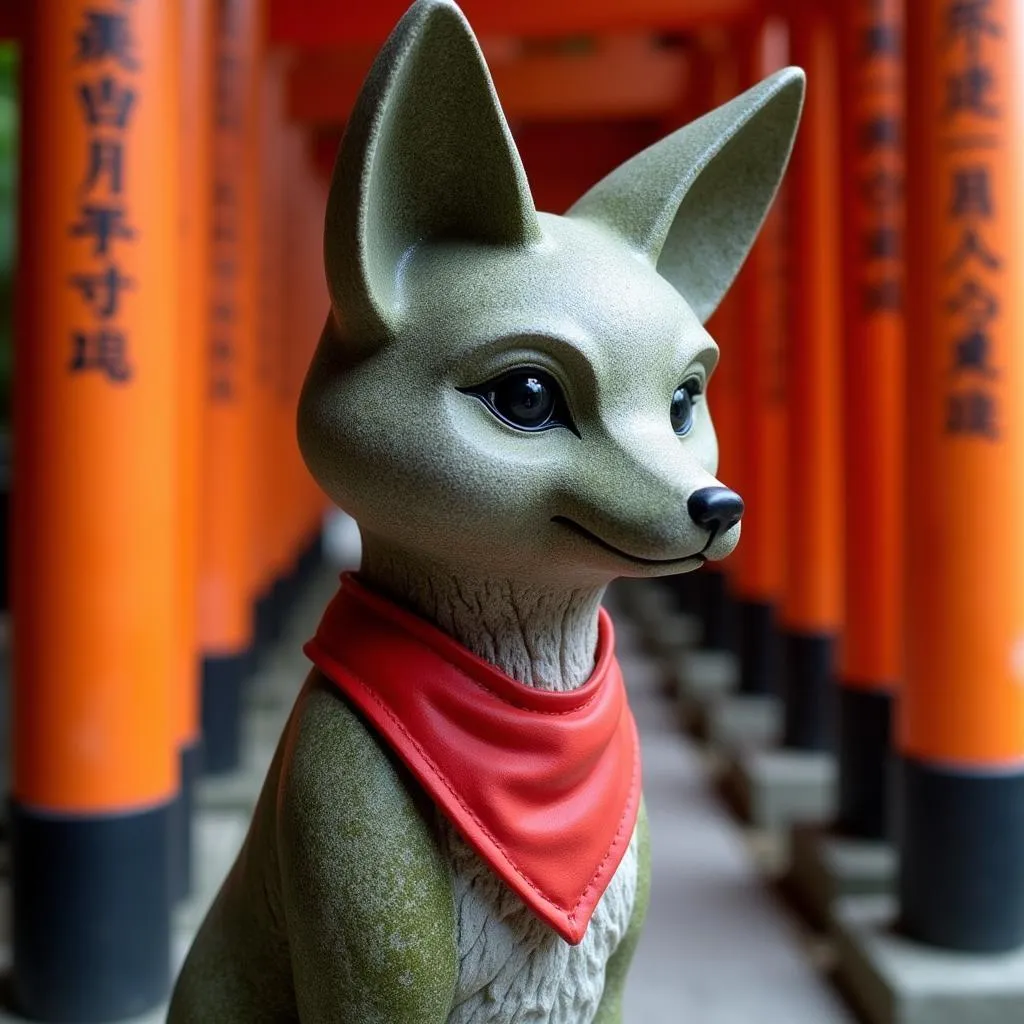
(582, 531)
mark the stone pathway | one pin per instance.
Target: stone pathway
(717, 948)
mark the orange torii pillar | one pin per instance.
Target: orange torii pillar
(853, 855)
(960, 735)
(717, 608)
(703, 596)
(196, 104)
(298, 239)
(958, 789)
(95, 510)
(318, 303)
(295, 350)
(813, 591)
(252, 230)
(309, 307)
(761, 295)
(280, 412)
(226, 561)
(264, 205)
(871, 655)
(293, 355)
(797, 780)
(688, 588)
(305, 308)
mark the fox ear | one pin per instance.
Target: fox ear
(695, 201)
(427, 155)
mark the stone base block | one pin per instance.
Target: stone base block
(701, 672)
(670, 633)
(238, 791)
(778, 788)
(826, 868)
(699, 676)
(895, 981)
(643, 599)
(741, 721)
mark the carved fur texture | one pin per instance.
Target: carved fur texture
(514, 968)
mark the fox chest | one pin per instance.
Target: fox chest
(513, 969)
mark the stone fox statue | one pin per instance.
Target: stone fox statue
(513, 407)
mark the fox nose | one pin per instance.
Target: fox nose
(715, 508)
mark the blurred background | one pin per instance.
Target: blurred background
(832, 719)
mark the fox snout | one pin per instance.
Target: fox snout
(716, 509)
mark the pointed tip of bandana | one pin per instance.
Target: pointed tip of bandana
(544, 786)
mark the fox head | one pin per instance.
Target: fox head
(510, 391)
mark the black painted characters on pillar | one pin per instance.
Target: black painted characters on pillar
(223, 383)
(971, 112)
(107, 98)
(879, 137)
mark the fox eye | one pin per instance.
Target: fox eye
(681, 411)
(527, 399)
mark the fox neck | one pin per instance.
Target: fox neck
(539, 635)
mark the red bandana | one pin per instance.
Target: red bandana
(544, 786)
